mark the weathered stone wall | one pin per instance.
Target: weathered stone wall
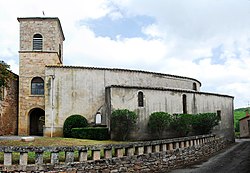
(49, 28)
(170, 100)
(9, 109)
(32, 63)
(149, 156)
(81, 90)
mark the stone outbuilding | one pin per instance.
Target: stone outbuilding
(50, 92)
(245, 125)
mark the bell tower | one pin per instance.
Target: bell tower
(41, 44)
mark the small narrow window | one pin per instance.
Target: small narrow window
(184, 103)
(37, 86)
(140, 99)
(194, 86)
(60, 52)
(219, 114)
(37, 42)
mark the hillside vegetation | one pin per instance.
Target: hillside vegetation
(238, 114)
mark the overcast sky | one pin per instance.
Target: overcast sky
(208, 40)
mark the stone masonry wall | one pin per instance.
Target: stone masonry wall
(8, 109)
(32, 63)
(148, 156)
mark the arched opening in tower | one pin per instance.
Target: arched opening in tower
(37, 121)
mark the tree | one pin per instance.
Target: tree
(5, 74)
(203, 123)
(181, 124)
(122, 122)
(159, 122)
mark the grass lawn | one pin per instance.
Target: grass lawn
(46, 141)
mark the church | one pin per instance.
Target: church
(49, 92)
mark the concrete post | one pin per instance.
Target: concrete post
(83, 156)
(191, 143)
(176, 145)
(54, 158)
(195, 142)
(163, 147)
(129, 151)
(148, 149)
(170, 146)
(139, 150)
(69, 157)
(23, 159)
(156, 148)
(119, 152)
(7, 159)
(182, 144)
(96, 154)
(107, 153)
(39, 158)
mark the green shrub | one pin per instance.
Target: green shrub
(182, 124)
(122, 122)
(159, 122)
(203, 123)
(73, 121)
(95, 133)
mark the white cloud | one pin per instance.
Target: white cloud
(182, 40)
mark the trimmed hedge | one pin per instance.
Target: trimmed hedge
(122, 123)
(73, 121)
(158, 123)
(203, 123)
(95, 133)
(182, 124)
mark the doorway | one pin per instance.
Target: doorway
(37, 121)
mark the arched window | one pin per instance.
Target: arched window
(194, 86)
(37, 42)
(140, 99)
(184, 103)
(37, 86)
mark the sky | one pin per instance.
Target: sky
(208, 40)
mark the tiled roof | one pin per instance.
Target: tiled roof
(167, 89)
(126, 70)
(244, 118)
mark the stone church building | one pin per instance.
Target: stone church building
(49, 92)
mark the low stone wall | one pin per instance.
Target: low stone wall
(148, 156)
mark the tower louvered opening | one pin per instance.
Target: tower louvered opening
(37, 42)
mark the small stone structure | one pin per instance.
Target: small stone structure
(148, 156)
(245, 125)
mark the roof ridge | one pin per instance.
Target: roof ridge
(120, 69)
